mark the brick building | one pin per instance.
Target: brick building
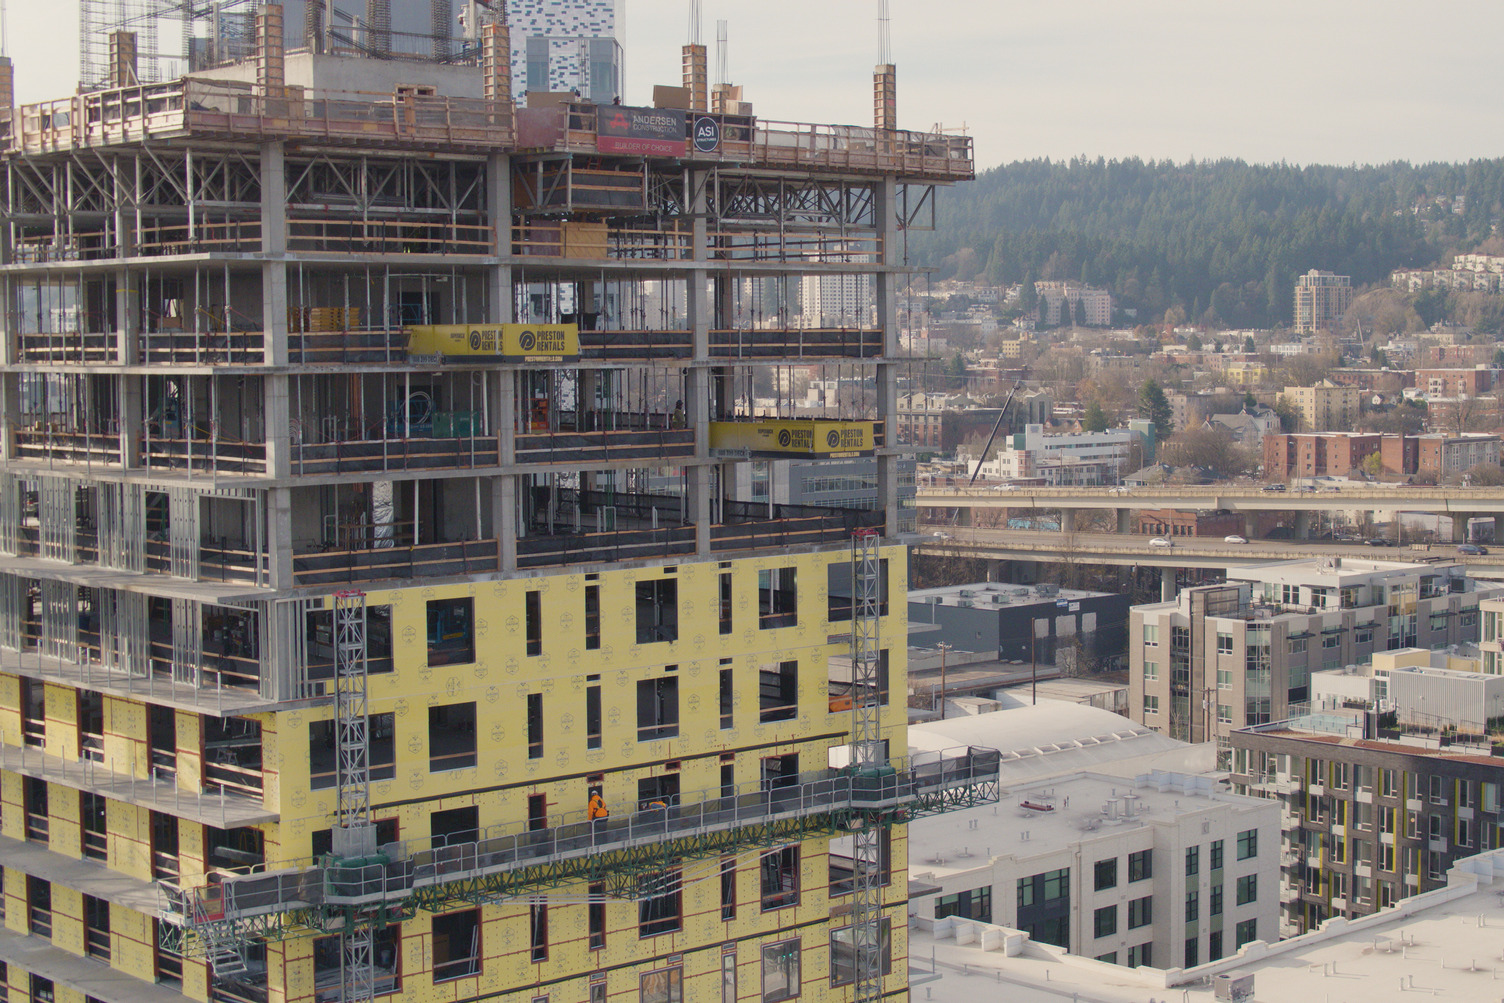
(1319, 454)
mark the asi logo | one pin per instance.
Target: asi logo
(527, 340)
(833, 438)
(707, 135)
(785, 438)
(474, 341)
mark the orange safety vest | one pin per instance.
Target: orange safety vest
(597, 808)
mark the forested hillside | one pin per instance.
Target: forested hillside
(1220, 240)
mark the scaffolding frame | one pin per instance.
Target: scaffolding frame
(354, 835)
(868, 756)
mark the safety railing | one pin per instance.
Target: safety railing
(240, 236)
(812, 342)
(395, 561)
(46, 347)
(378, 236)
(172, 345)
(361, 455)
(917, 784)
(605, 447)
(56, 444)
(243, 110)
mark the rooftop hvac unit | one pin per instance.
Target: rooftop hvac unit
(999, 599)
(1047, 589)
(966, 603)
(1232, 987)
(966, 593)
(935, 600)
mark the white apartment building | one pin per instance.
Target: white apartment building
(1034, 453)
(837, 300)
(1423, 689)
(1222, 657)
(1159, 869)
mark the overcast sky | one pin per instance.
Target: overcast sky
(1329, 81)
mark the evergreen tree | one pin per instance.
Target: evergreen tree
(1153, 405)
(1095, 419)
(1248, 345)
(1028, 300)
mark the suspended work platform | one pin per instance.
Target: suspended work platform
(503, 862)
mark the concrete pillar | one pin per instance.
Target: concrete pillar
(1499, 529)
(1459, 527)
(279, 538)
(1166, 584)
(1067, 520)
(701, 311)
(997, 571)
(1251, 525)
(1302, 524)
(1125, 520)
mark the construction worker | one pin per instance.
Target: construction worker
(596, 812)
(678, 419)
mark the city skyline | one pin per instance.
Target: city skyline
(1059, 81)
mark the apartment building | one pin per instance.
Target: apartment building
(1222, 657)
(340, 570)
(1324, 407)
(1068, 457)
(1160, 869)
(1321, 298)
(1372, 815)
(1318, 454)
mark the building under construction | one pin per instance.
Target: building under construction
(368, 502)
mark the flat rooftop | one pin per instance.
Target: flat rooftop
(999, 596)
(1082, 806)
(1443, 944)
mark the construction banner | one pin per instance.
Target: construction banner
(780, 438)
(500, 341)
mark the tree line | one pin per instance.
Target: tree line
(1214, 241)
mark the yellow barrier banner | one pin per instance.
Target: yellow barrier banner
(773, 437)
(505, 341)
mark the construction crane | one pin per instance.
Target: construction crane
(1001, 417)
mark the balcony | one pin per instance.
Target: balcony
(348, 456)
(631, 437)
(55, 442)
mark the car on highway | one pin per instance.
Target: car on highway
(1273, 487)
(940, 536)
(1471, 549)
(1234, 539)
(1161, 541)
(1377, 541)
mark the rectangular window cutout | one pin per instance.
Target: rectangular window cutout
(657, 709)
(451, 737)
(451, 631)
(657, 611)
(777, 598)
(778, 692)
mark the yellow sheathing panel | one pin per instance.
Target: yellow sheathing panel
(129, 839)
(190, 751)
(61, 704)
(68, 919)
(12, 805)
(125, 749)
(10, 709)
(131, 938)
(64, 829)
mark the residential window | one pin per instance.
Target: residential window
(451, 631)
(323, 750)
(1140, 955)
(1299, 645)
(42, 990)
(1192, 860)
(657, 610)
(1151, 671)
(1216, 855)
(1190, 952)
(1025, 892)
(532, 607)
(1151, 635)
(96, 928)
(1248, 889)
(726, 606)
(1247, 933)
(537, 921)
(1105, 873)
(1214, 906)
(780, 971)
(592, 617)
(728, 976)
(1214, 946)
(1386, 783)
(451, 737)
(1140, 912)
(535, 726)
(1111, 957)
(728, 888)
(778, 692)
(1057, 884)
(1140, 866)
(780, 878)
(1224, 644)
(592, 717)
(456, 945)
(1339, 776)
(1192, 906)
(661, 909)
(1224, 713)
(1151, 703)
(597, 915)
(657, 708)
(663, 986)
(1248, 844)
(974, 903)
(1224, 679)
(843, 951)
(1386, 856)
(728, 702)
(1105, 921)
(777, 598)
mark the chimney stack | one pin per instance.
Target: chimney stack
(123, 59)
(271, 69)
(885, 97)
(697, 77)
